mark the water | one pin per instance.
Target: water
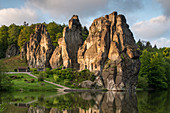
(98, 102)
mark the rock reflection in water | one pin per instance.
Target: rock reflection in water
(86, 102)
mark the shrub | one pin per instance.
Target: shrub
(32, 80)
(15, 70)
(49, 71)
(142, 82)
(34, 70)
(41, 76)
(56, 78)
(66, 81)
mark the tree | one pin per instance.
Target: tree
(85, 33)
(5, 81)
(156, 76)
(13, 32)
(24, 35)
(55, 31)
(3, 40)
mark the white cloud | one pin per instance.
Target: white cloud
(153, 28)
(162, 42)
(17, 16)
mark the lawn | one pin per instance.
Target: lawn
(12, 63)
(24, 82)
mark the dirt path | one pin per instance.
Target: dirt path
(28, 73)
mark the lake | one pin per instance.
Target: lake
(85, 102)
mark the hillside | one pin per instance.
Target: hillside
(12, 63)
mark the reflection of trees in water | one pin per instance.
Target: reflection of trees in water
(109, 102)
(86, 102)
(153, 102)
(5, 99)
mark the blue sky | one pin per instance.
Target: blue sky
(148, 19)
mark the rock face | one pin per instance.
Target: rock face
(12, 50)
(66, 53)
(39, 49)
(110, 49)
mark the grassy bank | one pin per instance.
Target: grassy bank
(24, 82)
(9, 64)
(66, 77)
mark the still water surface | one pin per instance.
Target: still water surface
(98, 102)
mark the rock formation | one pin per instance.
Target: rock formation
(110, 51)
(66, 53)
(39, 49)
(12, 50)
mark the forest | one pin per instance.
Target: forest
(18, 35)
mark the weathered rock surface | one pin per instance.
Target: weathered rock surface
(12, 50)
(87, 84)
(39, 49)
(66, 53)
(110, 49)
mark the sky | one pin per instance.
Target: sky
(149, 20)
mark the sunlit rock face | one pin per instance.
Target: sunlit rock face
(66, 53)
(39, 49)
(110, 49)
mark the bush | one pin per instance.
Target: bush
(15, 70)
(32, 80)
(34, 70)
(142, 82)
(49, 71)
(41, 76)
(66, 81)
(56, 78)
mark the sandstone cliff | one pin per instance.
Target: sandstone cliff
(66, 53)
(110, 51)
(39, 49)
(12, 50)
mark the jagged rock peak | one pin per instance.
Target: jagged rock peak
(110, 49)
(74, 22)
(39, 49)
(69, 44)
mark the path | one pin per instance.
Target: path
(28, 73)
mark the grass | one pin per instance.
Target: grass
(23, 83)
(12, 63)
(51, 79)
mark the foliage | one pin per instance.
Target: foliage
(72, 77)
(5, 81)
(25, 82)
(25, 35)
(3, 40)
(142, 82)
(34, 70)
(55, 31)
(85, 33)
(13, 33)
(154, 71)
(41, 76)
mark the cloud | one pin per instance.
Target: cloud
(17, 16)
(166, 6)
(62, 10)
(162, 42)
(153, 28)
